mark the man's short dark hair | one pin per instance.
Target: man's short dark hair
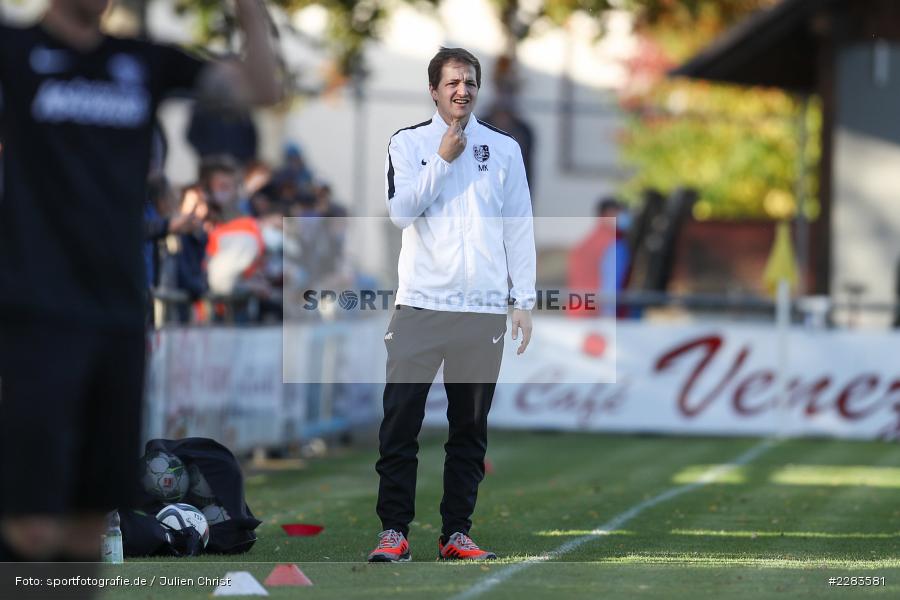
(446, 55)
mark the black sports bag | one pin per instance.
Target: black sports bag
(143, 535)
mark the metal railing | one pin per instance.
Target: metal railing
(172, 306)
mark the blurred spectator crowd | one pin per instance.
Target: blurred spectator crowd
(217, 250)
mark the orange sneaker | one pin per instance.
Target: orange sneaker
(392, 547)
(461, 547)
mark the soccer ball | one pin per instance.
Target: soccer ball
(184, 516)
(164, 476)
(215, 513)
(199, 492)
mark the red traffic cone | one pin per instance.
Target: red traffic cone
(284, 575)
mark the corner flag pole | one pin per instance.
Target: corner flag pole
(780, 276)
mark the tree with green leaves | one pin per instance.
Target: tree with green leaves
(748, 152)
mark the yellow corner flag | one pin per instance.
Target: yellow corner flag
(781, 263)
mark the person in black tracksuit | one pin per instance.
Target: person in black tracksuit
(457, 188)
(78, 113)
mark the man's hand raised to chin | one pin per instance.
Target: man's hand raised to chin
(453, 142)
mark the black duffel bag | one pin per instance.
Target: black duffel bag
(143, 535)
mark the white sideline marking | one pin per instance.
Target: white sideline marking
(616, 522)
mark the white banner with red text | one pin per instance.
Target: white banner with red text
(720, 379)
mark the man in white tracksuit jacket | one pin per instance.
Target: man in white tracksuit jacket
(457, 189)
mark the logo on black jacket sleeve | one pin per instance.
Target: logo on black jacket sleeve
(482, 152)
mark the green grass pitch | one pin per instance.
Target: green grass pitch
(780, 526)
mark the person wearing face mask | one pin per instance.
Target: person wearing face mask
(220, 178)
(600, 263)
(235, 246)
(615, 262)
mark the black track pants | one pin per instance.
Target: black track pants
(418, 340)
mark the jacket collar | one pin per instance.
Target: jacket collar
(437, 121)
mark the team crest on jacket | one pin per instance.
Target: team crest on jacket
(482, 152)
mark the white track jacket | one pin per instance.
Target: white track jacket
(467, 225)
